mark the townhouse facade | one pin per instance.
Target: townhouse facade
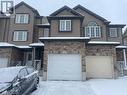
(70, 44)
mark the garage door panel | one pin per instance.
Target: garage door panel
(99, 66)
(64, 67)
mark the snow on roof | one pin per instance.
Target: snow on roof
(43, 24)
(36, 44)
(62, 38)
(102, 42)
(23, 47)
(5, 44)
(121, 46)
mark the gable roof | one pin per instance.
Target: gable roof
(25, 4)
(65, 8)
(117, 25)
(91, 13)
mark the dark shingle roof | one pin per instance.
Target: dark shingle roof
(23, 3)
(91, 13)
(65, 8)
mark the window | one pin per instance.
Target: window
(113, 32)
(46, 32)
(30, 70)
(22, 73)
(20, 36)
(22, 18)
(65, 25)
(92, 30)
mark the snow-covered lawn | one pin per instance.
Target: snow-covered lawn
(91, 87)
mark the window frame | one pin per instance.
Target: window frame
(17, 39)
(65, 25)
(111, 34)
(44, 31)
(28, 21)
(93, 31)
(21, 76)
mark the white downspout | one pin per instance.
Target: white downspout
(125, 60)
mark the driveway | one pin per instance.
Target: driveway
(89, 87)
(63, 88)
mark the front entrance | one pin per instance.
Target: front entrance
(28, 58)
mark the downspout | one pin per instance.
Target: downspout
(33, 57)
(125, 60)
(5, 26)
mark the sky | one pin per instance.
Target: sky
(112, 10)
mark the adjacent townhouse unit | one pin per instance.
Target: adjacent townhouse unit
(69, 44)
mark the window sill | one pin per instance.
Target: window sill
(113, 37)
(65, 31)
(21, 23)
(19, 41)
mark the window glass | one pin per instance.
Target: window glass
(20, 36)
(22, 73)
(92, 30)
(22, 18)
(46, 32)
(65, 25)
(113, 32)
(30, 70)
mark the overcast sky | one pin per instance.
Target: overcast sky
(112, 10)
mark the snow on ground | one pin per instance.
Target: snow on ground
(109, 86)
(90, 87)
(63, 88)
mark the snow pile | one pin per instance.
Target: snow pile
(63, 88)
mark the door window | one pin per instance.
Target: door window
(22, 73)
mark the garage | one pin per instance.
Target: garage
(3, 62)
(64, 67)
(99, 67)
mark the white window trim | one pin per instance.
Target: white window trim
(16, 35)
(65, 25)
(25, 20)
(95, 32)
(115, 31)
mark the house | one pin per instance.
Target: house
(69, 44)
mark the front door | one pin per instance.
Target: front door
(28, 58)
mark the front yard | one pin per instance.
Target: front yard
(91, 87)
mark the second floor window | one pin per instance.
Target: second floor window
(20, 36)
(46, 32)
(22, 18)
(92, 30)
(113, 32)
(65, 25)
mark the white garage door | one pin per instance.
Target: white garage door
(64, 67)
(99, 67)
(3, 62)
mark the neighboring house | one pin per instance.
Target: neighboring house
(78, 43)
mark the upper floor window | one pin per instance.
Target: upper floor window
(113, 32)
(65, 25)
(22, 18)
(20, 35)
(92, 30)
(46, 32)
